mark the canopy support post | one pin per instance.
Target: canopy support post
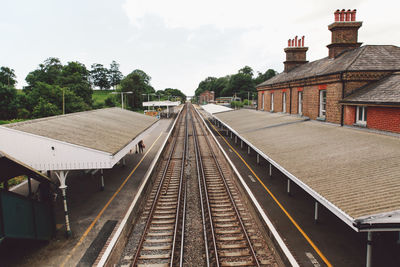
(102, 180)
(369, 250)
(62, 176)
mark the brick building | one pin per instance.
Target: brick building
(341, 87)
(207, 97)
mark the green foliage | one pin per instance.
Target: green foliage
(110, 101)
(241, 83)
(10, 121)
(8, 102)
(246, 102)
(115, 75)
(236, 104)
(45, 109)
(75, 77)
(100, 76)
(49, 72)
(136, 82)
(7, 76)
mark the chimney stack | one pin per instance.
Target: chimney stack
(295, 53)
(344, 32)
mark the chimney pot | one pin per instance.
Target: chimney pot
(302, 41)
(348, 14)
(289, 43)
(342, 14)
(353, 15)
(337, 12)
(295, 41)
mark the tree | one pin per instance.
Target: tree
(134, 83)
(8, 103)
(48, 72)
(246, 70)
(115, 75)
(45, 109)
(100, 76)
(7, 76)
(75, 77)
(262, 77)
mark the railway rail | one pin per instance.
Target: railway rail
(230, 236)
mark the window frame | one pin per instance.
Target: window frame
(284, 102)
(300, 102)
(322, 112)
(363, 121)
(272, 103)
(262, 101)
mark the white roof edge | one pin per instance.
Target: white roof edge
(56, 141)
(329, 205)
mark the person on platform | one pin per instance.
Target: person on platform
(141, 146)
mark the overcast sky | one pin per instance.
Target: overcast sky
(177, 42)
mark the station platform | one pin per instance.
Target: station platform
(93, 213)
(328, 242)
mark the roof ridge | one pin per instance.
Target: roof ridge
(354, 60)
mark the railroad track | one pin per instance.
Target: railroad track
(232, 238)
(162, 240)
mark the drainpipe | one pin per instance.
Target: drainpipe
(342, 106)
(290, 99)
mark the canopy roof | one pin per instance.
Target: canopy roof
(354, 173)
(107, 130)
(11, 168)
(95, 139)
(212, 108)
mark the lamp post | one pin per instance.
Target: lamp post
(122, 97)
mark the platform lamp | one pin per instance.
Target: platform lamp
(122, 97)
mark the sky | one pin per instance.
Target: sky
(179, 43)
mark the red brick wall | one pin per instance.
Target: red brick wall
(349, 115)
(386, 119)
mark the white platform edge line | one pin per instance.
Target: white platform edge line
(117, 234)
(275, 233)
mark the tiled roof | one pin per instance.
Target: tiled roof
(355, 171)
(385, 91)
(365, 58)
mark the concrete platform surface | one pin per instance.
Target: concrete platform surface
(91, 211)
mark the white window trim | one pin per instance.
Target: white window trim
(300, 103)
(363, 121)
(320, 104)
(262, 101)
(284, 102)
(272, 102)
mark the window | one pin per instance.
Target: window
(272, 102)
(300, 104)
(322, 104)
(262, 101)
(361, 116)
(284, 102)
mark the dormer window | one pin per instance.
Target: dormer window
(361, 116)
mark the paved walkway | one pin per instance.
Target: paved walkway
(90, 209)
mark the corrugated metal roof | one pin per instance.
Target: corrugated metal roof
(385, 91)
(107, 130)
(365, 58)
(356, 171)
(212, 108)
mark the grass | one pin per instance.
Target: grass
(11, 121)
(99, 96)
